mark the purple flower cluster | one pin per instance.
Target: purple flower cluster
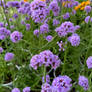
(36, 32)
(16, 36)
(88, 19)
(13, 4)
(47, 79)
(89, 62)
(39, 11)
(55, 22)
(74, 39)
(1, 24)
(69, 3)
(46, 58)
(49, 38)
(88, 9)
(65, 28)
(1, 50)
(9, 56)
(46, 88)
(26, 89)
(15, 90)
(54, 7)
(62, 83)
(66, 16)
(4, 33)
(44, 28)
(83, 82)
(61, 45)
(28, 27)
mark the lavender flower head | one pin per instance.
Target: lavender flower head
(88, 9)
(74, 39)
(46, 87)
(9, 56)
(83, 82)
(89, 62)
(15, 16)
(54, 7)
(66, 16)
(87, 19)
(16, 36)
(4, 33)
(36, 32)
(55, 22)
(15, 90)
(61, 45)
(62, 83)
(1, 24)
(47, 79)
(49, 38)
(26, 89)
(1, 50)
(44, 28)
(27, 27)
(46, 58)
(65, 28)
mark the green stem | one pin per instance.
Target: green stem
(44, 73)
(65, 57)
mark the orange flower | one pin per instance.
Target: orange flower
(25, 0)
(43, 0)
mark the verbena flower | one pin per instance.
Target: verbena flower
(87, 19)
(66, 16)
(4, 33)
(54, 7)
(49, 38)
(55, 22)
(46, 88)
(47, 79)
(83, 82)
(1, 24)
(28, 27)
(15, 90)
(74, 39)
(46, 58)
(16, 36)
(62, 83)
(26, 89)
(88, 9)
(44, 28)
(1, 50)
(36, 32)
(65, 28)
(89, 62)
(61, 45)
(9, 56)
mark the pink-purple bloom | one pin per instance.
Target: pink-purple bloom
(65, 28)
(47, 79)
(87, 19)
(26, 89)
(49, 38)
(15, 90)
(62, 83)
(1, 50)
(46, 58)
(46, 88)
(89, 62)
(74, 39)
(83, 82)
(54, 7)
(66, 16)
(9, 56)
(88, 9)
(44, 28)
(16, 36)
(55, 22)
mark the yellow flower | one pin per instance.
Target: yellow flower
(43, 0)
